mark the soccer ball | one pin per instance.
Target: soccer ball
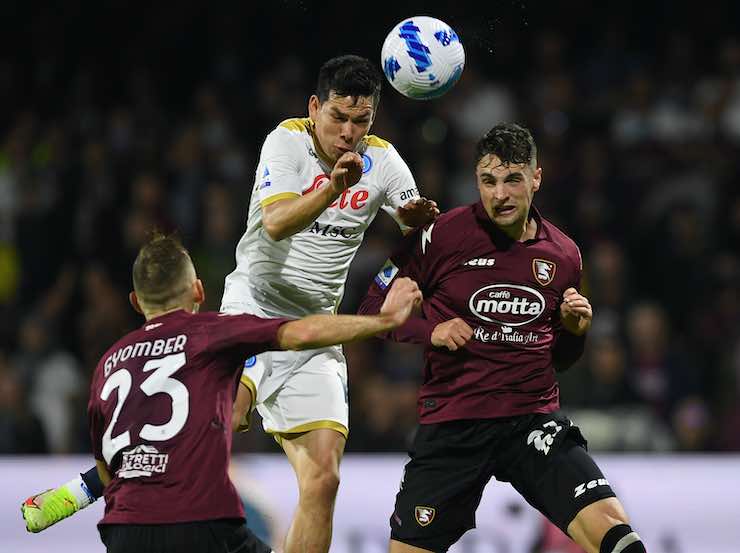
(422, 57)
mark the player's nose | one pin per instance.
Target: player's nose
(346, 129)
(499, 193)
(348, 132)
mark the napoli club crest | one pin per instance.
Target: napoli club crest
(544, 271)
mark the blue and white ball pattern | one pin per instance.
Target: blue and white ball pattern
(422, 57)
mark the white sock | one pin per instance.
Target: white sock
(80, 492)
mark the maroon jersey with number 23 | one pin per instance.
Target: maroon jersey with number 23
(509, 293)
(160, 415)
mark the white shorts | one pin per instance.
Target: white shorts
(297, 391)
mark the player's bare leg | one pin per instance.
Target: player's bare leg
(593, 522)
(400, 547)
(242, 409)
(315, 457)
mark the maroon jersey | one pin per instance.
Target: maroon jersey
(160, 415)
(509, 293)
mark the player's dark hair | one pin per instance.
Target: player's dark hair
(349, 76)
(511, 143)
(159, 270)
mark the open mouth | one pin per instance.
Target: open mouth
(504, 210)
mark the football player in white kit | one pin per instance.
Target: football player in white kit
(319, 183)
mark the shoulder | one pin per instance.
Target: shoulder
(289, 132)
(108, 360)
(565, 243)
(295, 125)
(448, 228)
(379, 150)
(210, 319)
(457, 217)
(375, 142)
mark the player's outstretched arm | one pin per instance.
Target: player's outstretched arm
(284, 218)
(47, 508)
(318, 331)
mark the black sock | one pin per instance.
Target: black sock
(622, 539)
(92, 480)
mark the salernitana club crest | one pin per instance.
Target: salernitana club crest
(424, 515)
(544, 271)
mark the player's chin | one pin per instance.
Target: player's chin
(504, 220)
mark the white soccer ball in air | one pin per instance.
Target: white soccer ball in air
(422, 57)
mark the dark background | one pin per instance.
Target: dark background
(118, 116)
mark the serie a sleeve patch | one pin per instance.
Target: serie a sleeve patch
(386, 274)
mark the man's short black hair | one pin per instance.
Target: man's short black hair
(511, 143)
(160, 270)
(349, 76)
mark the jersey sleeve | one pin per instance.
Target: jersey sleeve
(95, 420)
(242, 335)
(568, 348)
(409, 260)
(400, 186)
(279, 167)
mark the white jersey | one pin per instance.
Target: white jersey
(306, 272)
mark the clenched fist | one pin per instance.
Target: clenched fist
(347, 172)
(452, 334)
(575, 312)
(403, 296)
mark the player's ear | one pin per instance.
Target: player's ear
(135, 302)
(314, 105)
(537, 181)
(199, 293)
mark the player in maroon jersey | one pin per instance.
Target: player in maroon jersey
(161, 402)
(501, 314)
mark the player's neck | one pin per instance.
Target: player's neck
(530, 229)
(521, 232)
(149, 315)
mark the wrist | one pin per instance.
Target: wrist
(387, 321)
(331, 194)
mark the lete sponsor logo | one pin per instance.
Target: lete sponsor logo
(353, 198)
(507, 304)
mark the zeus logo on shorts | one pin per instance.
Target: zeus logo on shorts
(580, 489)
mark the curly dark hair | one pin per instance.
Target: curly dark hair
(349, 76)
(510, 142)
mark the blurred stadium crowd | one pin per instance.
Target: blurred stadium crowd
(639, 141)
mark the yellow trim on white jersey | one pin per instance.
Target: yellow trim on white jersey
(372, 140)
(298, 124)
(277, 197)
